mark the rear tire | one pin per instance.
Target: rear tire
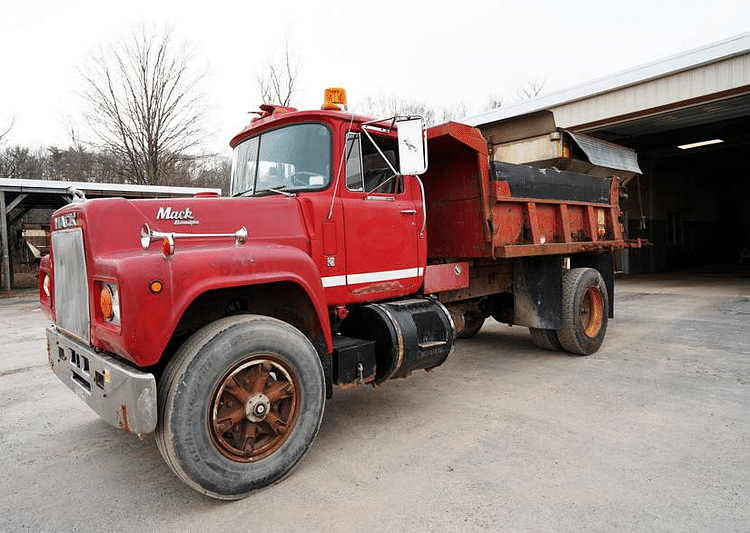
(585, 311)
(472, 327)
(545, 339)
(239, 405)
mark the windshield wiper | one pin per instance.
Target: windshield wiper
(276, 190)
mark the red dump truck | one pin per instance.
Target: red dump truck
(341, 258)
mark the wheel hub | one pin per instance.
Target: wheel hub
(257, 408)
(592, 312)
(254, 408)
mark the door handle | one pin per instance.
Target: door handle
(409, 211)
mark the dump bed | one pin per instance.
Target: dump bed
(477, 208)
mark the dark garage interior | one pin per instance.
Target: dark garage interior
(695, 202)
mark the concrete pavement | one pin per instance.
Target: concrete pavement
(651, 433)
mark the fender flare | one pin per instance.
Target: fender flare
(152, 319)
(253, 264)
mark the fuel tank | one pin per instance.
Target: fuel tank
(409, 335)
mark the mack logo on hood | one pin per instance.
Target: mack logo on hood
(184, 217)
(66, 221)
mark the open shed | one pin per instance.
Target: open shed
(19, 197)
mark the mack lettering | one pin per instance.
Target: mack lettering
(166, 213)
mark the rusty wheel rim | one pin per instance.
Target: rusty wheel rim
(254, 409)
(592, 312)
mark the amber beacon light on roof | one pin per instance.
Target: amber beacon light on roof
(334, 99)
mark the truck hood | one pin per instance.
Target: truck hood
(115, 225)
(108, 232)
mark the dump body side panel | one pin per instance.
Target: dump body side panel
(456, 193)
(475, 210)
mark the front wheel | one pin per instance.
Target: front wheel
(239, 405)
(585, 311)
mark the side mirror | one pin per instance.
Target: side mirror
(412, 145)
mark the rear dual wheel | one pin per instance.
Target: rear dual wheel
(472, 326)
(545, 339)
(585, 312)
(239, 405)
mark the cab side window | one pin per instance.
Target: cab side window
(378, 175)
(366, 168)
(353, 163)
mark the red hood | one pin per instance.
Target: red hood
(114, 225)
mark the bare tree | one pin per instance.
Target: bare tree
(6, 131)
(531, 89)
(387, 106)
(458, 112)
(278, 80)
(145, 104)
(493, 102)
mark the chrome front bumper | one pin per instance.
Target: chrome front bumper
(121, 395)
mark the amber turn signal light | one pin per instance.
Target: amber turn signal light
(155, 286)
(106, 303)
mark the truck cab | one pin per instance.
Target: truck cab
(363, 213)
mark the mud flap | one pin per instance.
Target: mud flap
(537, 292)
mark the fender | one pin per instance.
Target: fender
(149, 320)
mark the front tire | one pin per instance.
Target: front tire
(239, 405)
(585, 311)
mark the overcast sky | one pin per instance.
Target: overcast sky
(439, 52)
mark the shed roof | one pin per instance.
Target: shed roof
(98, 189)
(32, 194)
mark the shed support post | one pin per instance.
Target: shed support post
(5, 242)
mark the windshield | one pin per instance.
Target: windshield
(295, 158)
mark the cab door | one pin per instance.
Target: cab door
(381, 223)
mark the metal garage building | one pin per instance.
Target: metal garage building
(688, 119)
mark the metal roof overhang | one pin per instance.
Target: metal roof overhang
(55, 194)
(98, 189)
(694, 96)
(699, 65)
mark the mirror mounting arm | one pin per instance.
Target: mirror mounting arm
(364, 129)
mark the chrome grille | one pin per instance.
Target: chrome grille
(71, 282)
